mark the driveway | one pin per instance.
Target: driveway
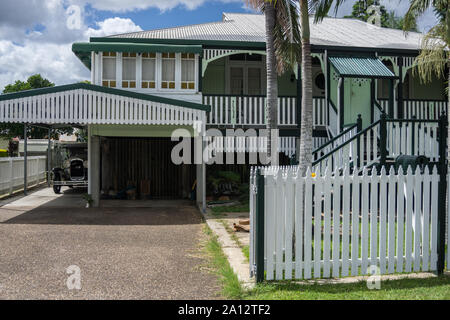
(121, 252)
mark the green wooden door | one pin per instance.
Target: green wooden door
(357, 101)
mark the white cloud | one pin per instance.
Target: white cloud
(48, 52)
(53, 61)
(112, 26)
(132, 5)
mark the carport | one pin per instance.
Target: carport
(106, 112)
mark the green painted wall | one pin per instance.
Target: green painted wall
(286, 87)
(214, 79)
(434, 90)
(150, 131)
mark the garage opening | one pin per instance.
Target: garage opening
(142, 169)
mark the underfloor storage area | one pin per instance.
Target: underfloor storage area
(142, 169)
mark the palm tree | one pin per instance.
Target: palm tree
(434, 56)
(281, 36)
(306, 122)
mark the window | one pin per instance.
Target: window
(129, 70)
(109, 69)
(148, 70)
(187, 71)
(168, 71)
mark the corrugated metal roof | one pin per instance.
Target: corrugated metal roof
(251, 28)
(361, 67)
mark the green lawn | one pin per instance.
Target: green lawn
(405, 289)
(236, 208)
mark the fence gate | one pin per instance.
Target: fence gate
(346, 223)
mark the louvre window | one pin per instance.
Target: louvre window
(188, 71)
(109, 69)
(149, 70)
(129, 70)
(168, 71)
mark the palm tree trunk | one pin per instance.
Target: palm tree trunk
(305, 158)
(272, 80)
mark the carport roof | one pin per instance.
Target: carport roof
(83, 103)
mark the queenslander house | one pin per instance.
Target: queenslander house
(144, 85)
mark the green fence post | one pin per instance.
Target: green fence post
(358, 144)
(383, 139)
(259, 226)
(442, 193)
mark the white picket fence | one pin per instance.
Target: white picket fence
(12, 173)
(338, 225)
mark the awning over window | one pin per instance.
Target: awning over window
(361, 67)
(84, 104)
(83, 49)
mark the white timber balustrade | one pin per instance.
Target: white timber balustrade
(250, 110)
(340, 224)
(286, 145)
(413, 138)
(89, 104)
(419, 109)
(12, 173)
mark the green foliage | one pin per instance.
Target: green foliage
(12, 130)
(237, 208)
(388, 19)
(218, 181)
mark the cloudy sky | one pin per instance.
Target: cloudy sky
(36, 35)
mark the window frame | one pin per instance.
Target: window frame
(129, 84)
(109, 83)
(148, 82)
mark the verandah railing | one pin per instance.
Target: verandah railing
(250, 110)
(418, 108)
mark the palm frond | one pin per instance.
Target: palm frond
(434, 55)
(321, 8)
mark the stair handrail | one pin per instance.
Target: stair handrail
(356, 136)
(340, 135)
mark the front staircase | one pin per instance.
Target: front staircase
(381, 143)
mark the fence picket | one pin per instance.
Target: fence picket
(299, 214)
(308, 225)
(345, 223)
(391, 220)
(336, 223)
(317, 225)
(327, 224)
(417, 219)
(355, 222)
(408, 223)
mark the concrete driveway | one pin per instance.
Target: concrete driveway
(121, 252)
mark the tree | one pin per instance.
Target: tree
(434, 57)
(306, 138)
(281, 35)
(360, 10)
(12, 130)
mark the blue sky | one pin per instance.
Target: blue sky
(36, 36)
(155, 19)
